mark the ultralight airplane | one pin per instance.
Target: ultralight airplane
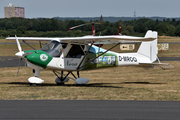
(74, 54)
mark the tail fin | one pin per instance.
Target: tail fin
(119, 32)
(149, 49)
(93, 29)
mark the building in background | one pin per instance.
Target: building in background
(13, 11)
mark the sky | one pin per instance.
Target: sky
(95, 8)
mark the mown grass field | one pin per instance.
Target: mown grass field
(118, 83)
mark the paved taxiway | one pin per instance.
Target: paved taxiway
(14, 61)
(88, 110)
(10, 62)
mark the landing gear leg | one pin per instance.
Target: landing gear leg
(78, 74)
(61, 80)
(37, 73)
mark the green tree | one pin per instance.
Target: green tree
(140, 27)
(11, 32)
(130, 29)
(2, 24)
(178, 22)
(125, 32)
(171, 30)
(177, 32)
(150, 24)
(173, 22)
(21, 30)
(9, 25)
(3, 33)
(162, 28)
(31, 33)
(144, 24)
(71, 23)
(55, 25)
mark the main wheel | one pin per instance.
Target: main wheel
(60, 82)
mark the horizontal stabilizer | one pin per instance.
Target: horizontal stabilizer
(161, 65)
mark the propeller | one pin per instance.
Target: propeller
(18, 66)
(18, 44)
(83, 25)
(111, 25)
(19, 54)
(78, 26)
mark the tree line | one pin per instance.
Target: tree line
(46, 27)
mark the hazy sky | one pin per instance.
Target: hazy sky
(95, 8)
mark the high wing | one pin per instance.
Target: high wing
(32, 38)
(105, 39)
(88, 39)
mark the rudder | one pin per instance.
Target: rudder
(149, 49)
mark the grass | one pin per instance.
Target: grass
(117, 83)
(168, 39)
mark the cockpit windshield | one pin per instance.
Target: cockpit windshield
(54, 48)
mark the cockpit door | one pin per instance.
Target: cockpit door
(71, 57)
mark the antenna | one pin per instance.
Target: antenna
(134, 14)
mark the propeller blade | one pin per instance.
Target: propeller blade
(18, 67)
(18, 44)
(77, 26)
(83, 25)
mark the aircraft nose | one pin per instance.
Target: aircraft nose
(20, 54)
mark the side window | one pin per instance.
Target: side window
(76, 51)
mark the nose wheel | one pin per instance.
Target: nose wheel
(34, 81)
(33, 84)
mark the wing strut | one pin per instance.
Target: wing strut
(28, 44)
(40, 44)
(98, 56)
(84, 56)
(82, 49)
